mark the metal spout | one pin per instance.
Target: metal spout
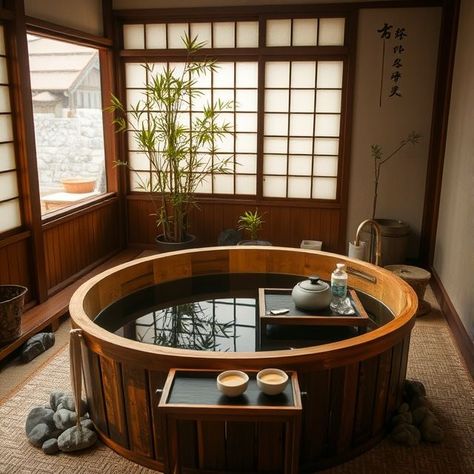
(378, 237)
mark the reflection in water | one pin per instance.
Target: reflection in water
(218, 313)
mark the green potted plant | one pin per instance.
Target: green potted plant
(252, 223)
(181, 154)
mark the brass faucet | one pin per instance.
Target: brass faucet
(378, 237)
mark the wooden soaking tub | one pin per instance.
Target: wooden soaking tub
(352, 386)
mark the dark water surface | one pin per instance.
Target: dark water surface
(218, 313)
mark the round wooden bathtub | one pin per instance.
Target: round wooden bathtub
(352, 386)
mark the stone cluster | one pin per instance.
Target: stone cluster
(36, 345)
(53, 428)
(414, 420)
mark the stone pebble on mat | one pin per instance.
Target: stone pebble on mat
(68, 402)
(407, 434)
(55, 399)
(64, 419)
(50, 446)
(36, 345)
(75, 439)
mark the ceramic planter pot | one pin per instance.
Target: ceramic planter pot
(164, 246)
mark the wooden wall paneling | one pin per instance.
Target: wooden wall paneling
(135, 384)
(271, 446)
(241, 446)
(212, 447)
(93, 383)
(14, 266)
(114, 400)
(365, 400)
(156, 381)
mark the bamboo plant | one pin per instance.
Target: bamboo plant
(180, 150)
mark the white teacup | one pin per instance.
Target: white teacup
(232, 382)
(272, 381)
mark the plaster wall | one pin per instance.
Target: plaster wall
(454, 253)
(83, 15)
(387, 122)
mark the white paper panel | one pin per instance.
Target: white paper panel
(139, 180)
(276, 124)
(326, 146)
(275, 145)
(177, 69)
(135, 124)
(203, 32)
(156, 36)
(2, 40)
(247, 34)
(246, 123)
(226, 143)
(225, 118)
(176, 34)
(303, 74)
(330, 74)
(133, 96)
(278, 32)
(324, 188)
(302, 101)
(301, 125)
(276, 100)
(205, 186)
(201, 100)
(327, 125)
(135, 75)
(138, 161)
(6, 132)
(3, 71)
(133, 37)
(224, 76)
(246, 74)
(277, 74)
(301, 146)
(184, 118)
(202, 81)
(8, 185)
(246, 100)
(300, 165)
(7, 157)
(299, 187)
(223, 94)
(275, 164)
(224, 34)
(305, 31)
(274, 186)
(223, 184)
(331, 32)
(245, 184)
(221, 159)
(157, 68)
(246, 143)
(132, 144)
(328, 101)
(246, 164)
(4, 99)
(11, 216)
(325, 165)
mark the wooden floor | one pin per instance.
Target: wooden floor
(48, 313)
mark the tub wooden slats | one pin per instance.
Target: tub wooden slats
(156, 381)
(114, 403)
(336, 401)
(137, 407)
(381, 392)
(187, 443)
(271, 446)
(394, 388)
(212, 446)
(240, 445)
(403, 368)
(365, 400)
(93, 385)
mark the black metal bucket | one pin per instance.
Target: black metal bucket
(12, 299)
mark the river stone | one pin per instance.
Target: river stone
(403, 408)
(40, 433)
(50, 446)
(406, 434)
(64, 419)
(419, 415)
(55, 399)
(419, 401)
(75, 439)
(88, 423)
(405, 417)
(229, 237)
(36, 345)
(413, 388)
(69, 403)
(39, 415)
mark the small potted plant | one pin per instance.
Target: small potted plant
(252, 223)
(181, 155)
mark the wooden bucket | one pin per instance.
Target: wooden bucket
(12, 299)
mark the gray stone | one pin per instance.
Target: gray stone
(403, 408)
(36, 345)
(39, 415)
(41, 433)
(88, 423)
(229, 237)
(55, 399)
(405, 417)
(69, 403)
(419, 401)
(419, 415)
(64, 419)
(406, 434)
(75, 439)
(413, 388)
(50, 446)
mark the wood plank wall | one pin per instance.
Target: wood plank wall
(284, 225)
(77, 242)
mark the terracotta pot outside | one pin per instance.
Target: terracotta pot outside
(79, 185)
(12, 299)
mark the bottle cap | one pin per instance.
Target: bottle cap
(341, 266)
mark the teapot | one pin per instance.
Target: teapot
(312, 294)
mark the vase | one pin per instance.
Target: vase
(164, 246)
(12, 299)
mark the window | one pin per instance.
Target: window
(287, 95)
(66, 93)
(9, 194)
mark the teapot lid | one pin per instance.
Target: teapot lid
(313, 284)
